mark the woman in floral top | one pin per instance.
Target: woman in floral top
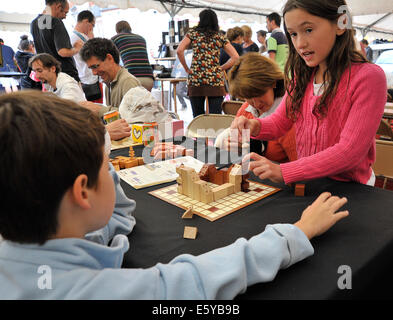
(206, 76)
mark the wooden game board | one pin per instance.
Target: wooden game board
(216, 210)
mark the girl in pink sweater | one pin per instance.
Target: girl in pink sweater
(334, 97)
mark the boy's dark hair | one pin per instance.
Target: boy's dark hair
(46, 143)
(99, 48)
(123, 27)
(47, 60)
(85, 14)
(274, 16)
(262, 33)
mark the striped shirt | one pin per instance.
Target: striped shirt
(133, 53)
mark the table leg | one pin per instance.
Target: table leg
(162, 94)
(174, 96)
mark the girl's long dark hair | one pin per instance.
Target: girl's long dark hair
(341, 57)
(208, 22)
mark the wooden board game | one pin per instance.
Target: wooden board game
(216, 210)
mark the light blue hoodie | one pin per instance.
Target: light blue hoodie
(89, 269)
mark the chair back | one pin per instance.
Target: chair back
(231, 106)
(209, 125)
(385, 130)
(383, 165)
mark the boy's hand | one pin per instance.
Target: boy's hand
(242, 123)
(321, 215)
(263, 168)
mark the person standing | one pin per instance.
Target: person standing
(9, 64)
(261, 36)
(277, 44)
(206, 76)
(235, 36)
(83, 31)
(50, 36)
(25, 53)
(248, 44)
(133, 53)
(366, 50)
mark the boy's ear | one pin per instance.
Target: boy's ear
(80, 192)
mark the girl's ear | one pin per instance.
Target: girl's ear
(80, 192)
(341, 25)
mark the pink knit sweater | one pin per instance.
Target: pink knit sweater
(342, 145)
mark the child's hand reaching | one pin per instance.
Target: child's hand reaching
(242, 123)
(263, 167)
(321, 215)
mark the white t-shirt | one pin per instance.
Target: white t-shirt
(67, 88)
(85, 74)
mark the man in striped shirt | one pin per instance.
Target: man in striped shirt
(133, 53)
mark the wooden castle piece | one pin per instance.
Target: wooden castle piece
(196, 186)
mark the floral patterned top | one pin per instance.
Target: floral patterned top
(205, 65)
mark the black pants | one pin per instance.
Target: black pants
(198, 105)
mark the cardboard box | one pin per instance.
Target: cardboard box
(144, 132)
(170, 129)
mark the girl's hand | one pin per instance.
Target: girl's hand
(264, 168)
(321, 215)
(242, 123)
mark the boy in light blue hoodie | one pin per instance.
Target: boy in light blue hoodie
(63, 204)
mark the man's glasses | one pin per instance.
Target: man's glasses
(94, 66)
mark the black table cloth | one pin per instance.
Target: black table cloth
(363, 241)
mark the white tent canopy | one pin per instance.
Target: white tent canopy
(375, 17)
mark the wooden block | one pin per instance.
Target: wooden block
(186, 180)
(222, 191)
(198, 189)
(160, 155)
(218, 178)
(212, 171)
(299, 190)
(189, 152)
(178, 168)
(236, 180)
(245, 185)
(236, 170)
(188, 214)
(206, 193)
(204, 172)
(130, 163)
(117, 167)
(141, 162)
(190, 232)
(225, 172)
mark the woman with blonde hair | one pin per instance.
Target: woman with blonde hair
(260, 82)
(248, 44)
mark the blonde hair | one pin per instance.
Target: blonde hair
(252, 75)
(247, 31)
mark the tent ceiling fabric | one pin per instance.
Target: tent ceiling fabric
(357, 7)
(365, 12)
